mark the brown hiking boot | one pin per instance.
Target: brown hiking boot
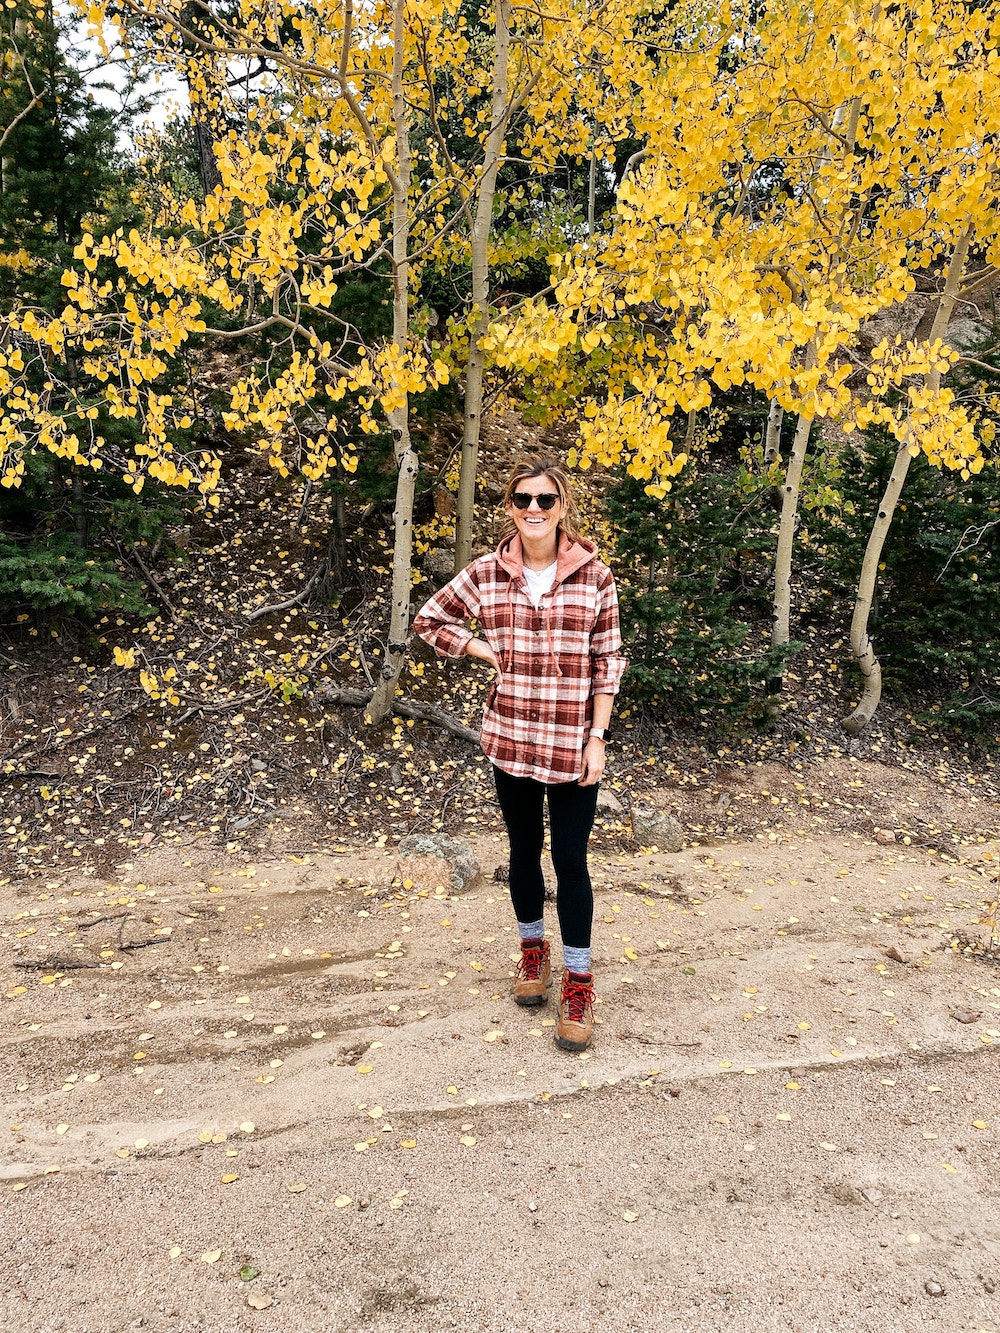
(533, 973)
(576, 1011)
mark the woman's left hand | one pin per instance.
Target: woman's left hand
(593, 762)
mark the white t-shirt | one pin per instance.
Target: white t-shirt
(540, 582)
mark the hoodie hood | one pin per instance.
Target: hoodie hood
(570, 556)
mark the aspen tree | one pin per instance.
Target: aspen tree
(862, 646)
(795, 181)
(313, 110)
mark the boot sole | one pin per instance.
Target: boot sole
(530, 1001)
(565, 1044)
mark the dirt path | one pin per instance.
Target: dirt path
(316, 1074)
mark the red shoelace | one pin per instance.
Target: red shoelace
(532, 962)
(579, 997)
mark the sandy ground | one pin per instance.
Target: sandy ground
(316, 1076)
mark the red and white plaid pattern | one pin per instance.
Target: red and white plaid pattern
(554, 659)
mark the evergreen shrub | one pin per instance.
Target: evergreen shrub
(693, 571)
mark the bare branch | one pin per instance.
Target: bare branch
(961, 548)
(283, 606)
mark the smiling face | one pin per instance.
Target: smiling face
(538, 527)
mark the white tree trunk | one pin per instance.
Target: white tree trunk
(861, 642)
(481, 226)
(407, 462)
(772, 436)
(780, 631)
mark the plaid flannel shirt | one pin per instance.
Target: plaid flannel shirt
(554, 659)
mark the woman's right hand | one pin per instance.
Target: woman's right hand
(480, 649)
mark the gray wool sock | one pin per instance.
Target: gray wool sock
(577, 960)
(532, 930)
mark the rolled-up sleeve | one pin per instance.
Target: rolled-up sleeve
(441, 621)
(607, 660)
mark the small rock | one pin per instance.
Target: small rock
(884, 836)
(989, 1286)
(433, 860)
(966, 1015)
(603, 1282)
(439, 564)
(532, 1206)
(609, 802)
(508, 1144)
(242, 824)
(896, 954)
(872, 1195)
(933, 1288)
(258, 766)
(259, 1300)
(656, 828)
(444, 502)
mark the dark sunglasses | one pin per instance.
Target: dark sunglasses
(522, 500)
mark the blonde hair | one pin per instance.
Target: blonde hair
(543, 467)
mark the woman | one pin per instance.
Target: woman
(547, 614)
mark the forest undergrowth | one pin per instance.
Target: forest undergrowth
(243, 747)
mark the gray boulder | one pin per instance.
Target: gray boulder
(437, 861)
(656, 828)
(439, 564)
(608, 803)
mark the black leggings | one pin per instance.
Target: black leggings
(571, 817)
